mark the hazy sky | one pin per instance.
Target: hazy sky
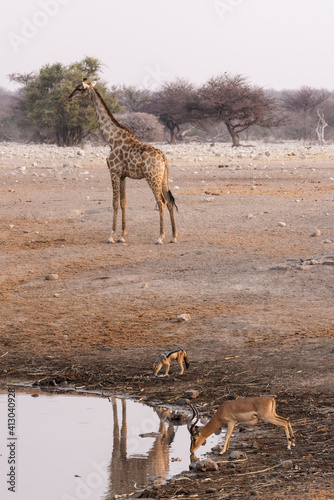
(275, 43)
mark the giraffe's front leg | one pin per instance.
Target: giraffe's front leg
(115, 202)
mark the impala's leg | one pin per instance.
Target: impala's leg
(123, 207)
(230, 427)
(283, 422)
(115, 202)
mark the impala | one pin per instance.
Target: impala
(230, 413)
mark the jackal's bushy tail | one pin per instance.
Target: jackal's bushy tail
(186, 361)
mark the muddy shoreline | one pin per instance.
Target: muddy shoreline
(257, 285)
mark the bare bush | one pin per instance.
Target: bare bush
(144, 126)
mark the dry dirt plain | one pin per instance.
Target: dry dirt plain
(259, 293)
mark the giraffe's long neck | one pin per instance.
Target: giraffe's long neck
(108, 124)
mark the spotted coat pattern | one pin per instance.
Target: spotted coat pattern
(130, 158)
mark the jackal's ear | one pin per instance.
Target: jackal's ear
(204, 443)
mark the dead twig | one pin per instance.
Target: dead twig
(260, 471)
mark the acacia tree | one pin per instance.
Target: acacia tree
(44, 101)
(303, 105)
(171, 105)
(133, 99)
(233, 101)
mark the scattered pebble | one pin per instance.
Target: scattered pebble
(237, 455)
(204, 465)
(282, 224)
(287, 464)
(183, 317)
(51, 276)
(316, 233)
(191, 394)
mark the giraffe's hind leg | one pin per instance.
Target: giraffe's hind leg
(161, 202)
(115, 202)
(121, 239)
(162, 206)
(170, 205)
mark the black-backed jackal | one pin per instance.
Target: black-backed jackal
(166, 357)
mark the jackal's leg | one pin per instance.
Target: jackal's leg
(180, 360)
(167, 364)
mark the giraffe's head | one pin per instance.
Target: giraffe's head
(81, 90)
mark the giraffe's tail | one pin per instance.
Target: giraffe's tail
(171, 199)
(165, 188)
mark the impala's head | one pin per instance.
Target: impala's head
(195, 438)
(81, 90)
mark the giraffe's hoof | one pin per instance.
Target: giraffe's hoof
(110, 240)
(121, 240)
(173, 240)
(159, 241)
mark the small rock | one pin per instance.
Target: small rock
(328, 241)
(10, 226)
(52, 276)
(204, 465)
(183, 317)
(304, 267)
(182, 402)
(287, 464)
(282, 224)
(191, 394)
(237, 455)
(210, 490)
(252, 446)
(316, 233)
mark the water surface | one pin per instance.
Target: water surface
(75, 447)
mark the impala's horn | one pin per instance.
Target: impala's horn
(191, 424)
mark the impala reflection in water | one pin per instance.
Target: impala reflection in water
(71, 447)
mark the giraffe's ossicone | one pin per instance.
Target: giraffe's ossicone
(130, 158)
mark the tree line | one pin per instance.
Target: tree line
(225, 108)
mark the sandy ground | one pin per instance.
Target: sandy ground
(257, 286)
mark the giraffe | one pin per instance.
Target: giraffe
(130, 158)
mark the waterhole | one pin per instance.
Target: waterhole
(80, 447)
